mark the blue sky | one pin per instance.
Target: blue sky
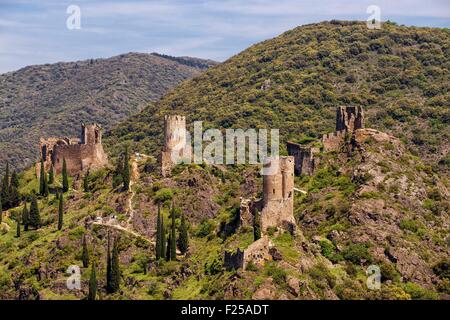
(35, 32)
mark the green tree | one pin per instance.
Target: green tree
(85, 253)
(34, 217)
(92, 283)
(168, 251)
(60, 211)
(115, 268)
(51, 175)
(14, 196)
(183, 240)
(158, 235)
(18, 226)
(117, 178)
(126, 171)
(41, 178)
(108, 264)
(256, 226)
(1, 210)
(25, 216)
(173, 237)
(65, 178)
(163, 238)
(5, 188)
(86, 182)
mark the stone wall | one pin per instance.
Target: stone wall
(174, 142)
(257, 253)
(304, 161)
(247, 210)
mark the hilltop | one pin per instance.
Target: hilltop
(295, 81)
(53, 99)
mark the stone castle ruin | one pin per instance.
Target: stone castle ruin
(174, 142)
(80, 154)
(257, 253)
(348, 119)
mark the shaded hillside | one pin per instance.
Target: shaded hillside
(54, 99)
(294, 82)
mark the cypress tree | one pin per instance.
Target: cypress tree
(51, 175)
(163, 238)
(115, 268)
(118, 179)
(5, 188)
(168, 251)
(256, 226)
(108, 265)
(173, 237)
(183, 241)
(60, 211)
(34, 217)
(18, 226)
(42, 178)
(25, 216)
(14, 196)
(85, 253)
(86, 182)
(158, 235)
(65, 179)
(126, 171)
(92, 283)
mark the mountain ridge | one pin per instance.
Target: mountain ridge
(53, 99)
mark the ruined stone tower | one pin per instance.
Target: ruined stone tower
(174, 142)
(278, 195)
(348, 119)
(304, 158)
(80, 153)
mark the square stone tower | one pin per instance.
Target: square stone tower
(348, 119)
(175, 138)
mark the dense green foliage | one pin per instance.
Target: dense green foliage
(399, 74)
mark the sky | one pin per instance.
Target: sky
(36, 32)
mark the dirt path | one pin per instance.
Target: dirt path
(112, 222)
